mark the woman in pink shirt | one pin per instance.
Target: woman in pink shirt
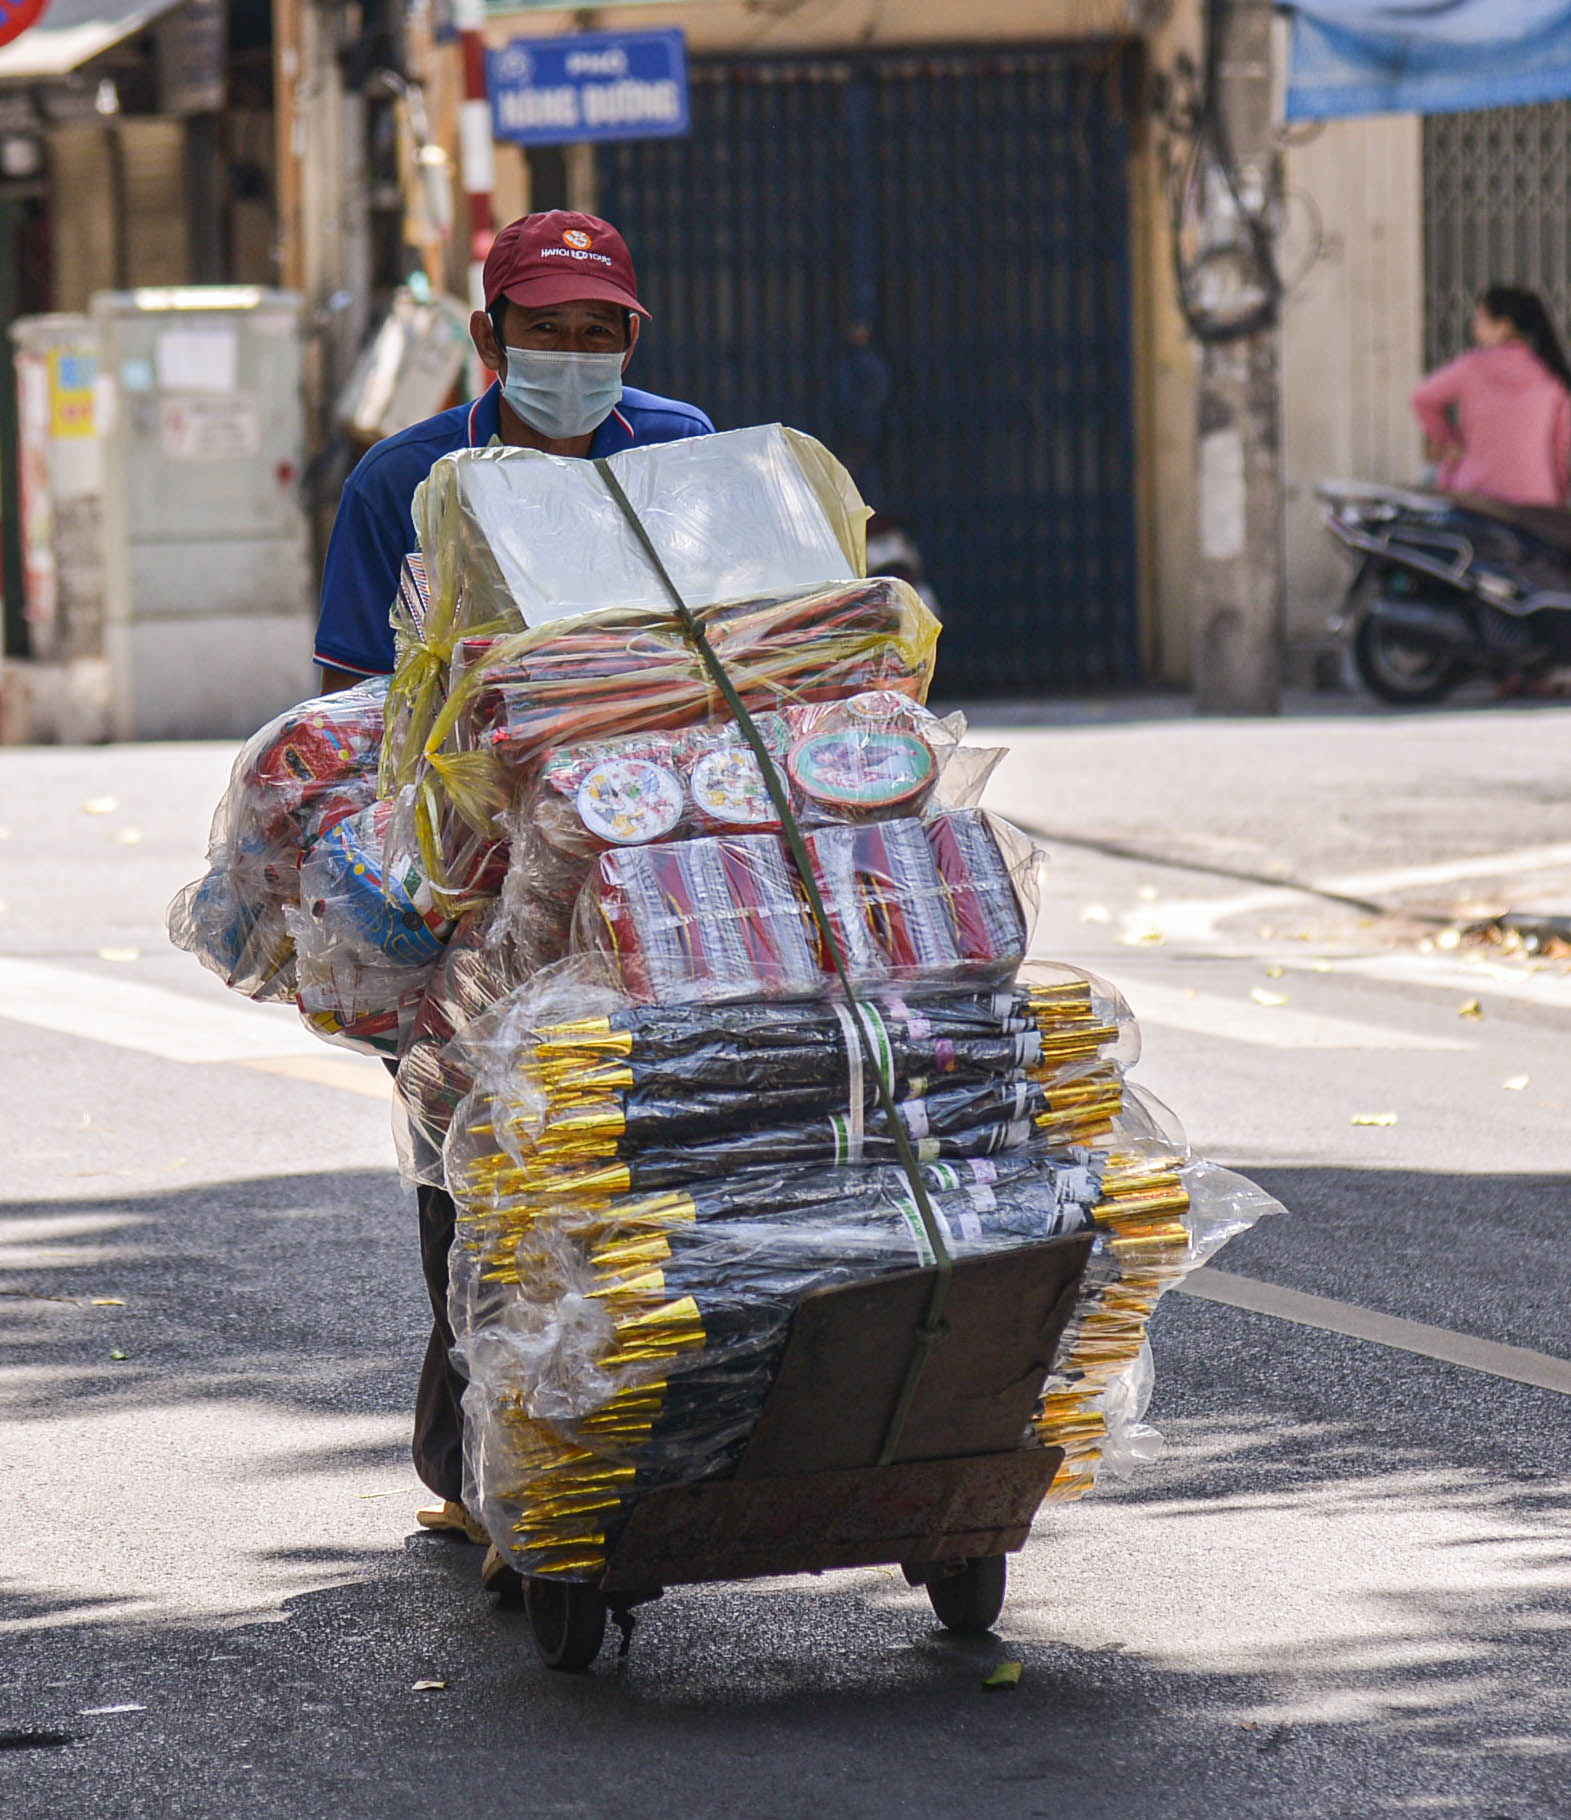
(1499, 417)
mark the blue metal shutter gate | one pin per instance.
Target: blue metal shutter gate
(971, 209)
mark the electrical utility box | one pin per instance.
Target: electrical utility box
(208, 602)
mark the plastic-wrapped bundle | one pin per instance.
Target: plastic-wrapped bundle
(644, 1361)
(717, 918)
(874, 755)
(613, 672)
(499, 1242)
(539, 636)
(498, 705)
(982, 887)
(309, 769)
(367, 935)
(515, 537)
(726, 916)
(888, 909)
(645, 1144)
(1163, 1213)
(590, 1120)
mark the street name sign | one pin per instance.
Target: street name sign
(589, 85)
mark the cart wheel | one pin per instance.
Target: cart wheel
(969, 1602)
(568, 1620)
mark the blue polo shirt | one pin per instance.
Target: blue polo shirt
(374, 529)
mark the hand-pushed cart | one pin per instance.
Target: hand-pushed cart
(856, 1461)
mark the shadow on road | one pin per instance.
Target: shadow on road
(296, 1289)
(1345, 1590)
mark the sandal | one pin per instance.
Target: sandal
(449, 1518)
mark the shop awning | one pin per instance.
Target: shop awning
(1426, 56)
(74, 32)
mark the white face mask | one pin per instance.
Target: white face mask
(562, 395)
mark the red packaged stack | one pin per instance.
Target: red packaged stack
(709, 919)
(885, 899)
(988, 921)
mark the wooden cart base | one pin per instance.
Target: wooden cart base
(936, 1510)
(960, 1491)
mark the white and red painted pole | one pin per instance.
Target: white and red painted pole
(476, 158)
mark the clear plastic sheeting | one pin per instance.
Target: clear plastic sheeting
(1162, 1215)
(297, 778)
(477, 968)
(523, 538)
(367, 935)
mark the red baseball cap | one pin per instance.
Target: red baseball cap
(561, 257)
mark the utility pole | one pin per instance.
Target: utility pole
(288, 142)
(579, 159)
(1237, 650)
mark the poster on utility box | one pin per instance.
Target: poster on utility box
(589, 85)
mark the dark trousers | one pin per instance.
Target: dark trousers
(439, 1418)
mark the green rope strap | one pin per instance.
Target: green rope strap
(932, 1325)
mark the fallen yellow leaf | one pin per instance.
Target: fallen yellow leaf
(429, 1687)
(1007, 1674)
(106, 1301)
(1262, 997)
(1472, 1011)
(1273, 973)
(1374, 1118)
(1516, 1084)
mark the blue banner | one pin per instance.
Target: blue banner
(1426, 56)
(589, 85)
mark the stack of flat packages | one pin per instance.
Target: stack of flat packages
(625, 1049)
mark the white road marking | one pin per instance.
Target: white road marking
(1515, 1363)
(1238, 1020)
(1195, 919)
(1449, 871)
(149, 1019)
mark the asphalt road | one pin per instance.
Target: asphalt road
(1343, 1591)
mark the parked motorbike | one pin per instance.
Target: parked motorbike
(1448, 587)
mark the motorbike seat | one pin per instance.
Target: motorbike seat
(1549, 524)
(1367, 492)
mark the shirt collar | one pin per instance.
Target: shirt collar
(485, 418)
(614, 434)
